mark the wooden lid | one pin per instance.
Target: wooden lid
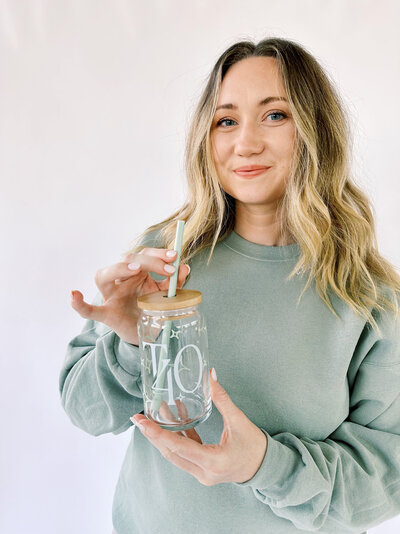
(160, 300)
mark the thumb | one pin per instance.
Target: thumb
(85, 310)
(184, 270)
(226, 407)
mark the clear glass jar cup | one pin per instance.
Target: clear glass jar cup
(174, 359)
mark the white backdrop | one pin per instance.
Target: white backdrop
(94, 101)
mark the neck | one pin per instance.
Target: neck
(261, 229)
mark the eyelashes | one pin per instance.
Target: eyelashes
(219, 123)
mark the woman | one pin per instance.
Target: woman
(306, 434)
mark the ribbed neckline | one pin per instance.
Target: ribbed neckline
(261, 252)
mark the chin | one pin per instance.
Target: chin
(257, 196)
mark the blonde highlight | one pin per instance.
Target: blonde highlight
(323, 208)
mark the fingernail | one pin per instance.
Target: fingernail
(170, 253)
(133, 266)
(141, 427)
(213, 374)
(169, 268)
(188, 266)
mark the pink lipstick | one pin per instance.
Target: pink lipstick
(251, 170)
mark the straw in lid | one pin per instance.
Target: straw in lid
(159, 300)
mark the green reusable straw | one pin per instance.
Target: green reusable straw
(156, 403)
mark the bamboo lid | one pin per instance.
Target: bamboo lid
(159, 300)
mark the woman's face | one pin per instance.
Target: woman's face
(247, 132)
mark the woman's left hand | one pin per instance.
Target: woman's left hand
(236, 458)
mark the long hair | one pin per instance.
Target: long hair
(323, 209)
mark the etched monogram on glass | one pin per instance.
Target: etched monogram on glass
(174, 359)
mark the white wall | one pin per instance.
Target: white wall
(94, 99)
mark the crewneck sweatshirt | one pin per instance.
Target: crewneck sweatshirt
(325, 390)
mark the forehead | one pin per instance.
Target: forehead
(258, 76)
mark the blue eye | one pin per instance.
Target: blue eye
(224, 120)
(277, 113)
(283, 115)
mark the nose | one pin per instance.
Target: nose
(249, 140)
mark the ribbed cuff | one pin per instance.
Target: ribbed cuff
(276, 468)
(128, 356)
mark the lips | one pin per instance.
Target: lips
(251, 170)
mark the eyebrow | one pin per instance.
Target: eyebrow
(262, 103)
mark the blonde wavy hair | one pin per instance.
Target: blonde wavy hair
(323, 209)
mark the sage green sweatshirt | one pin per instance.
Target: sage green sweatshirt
(324, 390)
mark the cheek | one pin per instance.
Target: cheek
(290, 139)
(219, 148)
(214, 150)
(284, 148)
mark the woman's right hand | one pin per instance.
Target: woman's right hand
(120, 287)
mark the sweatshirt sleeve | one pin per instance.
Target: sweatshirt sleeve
(350, 481)
(100, 381)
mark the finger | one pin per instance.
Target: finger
(169, 454)
(136, 265)
(184, 416)
(166, 413)
(182, 411)
(183, 464)
(88, 311)
(183, 273)
(178, 461)
(231, 414)
(188, 449)
(165, 254)
(107, 277)
(192, 434)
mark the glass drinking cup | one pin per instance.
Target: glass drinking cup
(174, 359)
